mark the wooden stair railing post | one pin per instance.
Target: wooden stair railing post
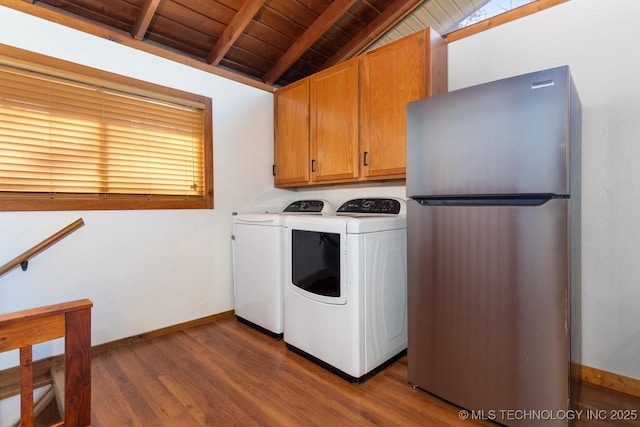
(26, 386)
(77, 368)
(71, 320)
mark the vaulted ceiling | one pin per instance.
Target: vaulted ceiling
(272, 41)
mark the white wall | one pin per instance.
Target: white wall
(598, 40)
(143, 270)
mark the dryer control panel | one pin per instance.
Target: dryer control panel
(371, 206)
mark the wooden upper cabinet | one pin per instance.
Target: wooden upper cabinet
(348, 123)
(291, 149)
(334, 123)
(406, 70)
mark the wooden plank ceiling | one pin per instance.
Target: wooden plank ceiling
(273, 41)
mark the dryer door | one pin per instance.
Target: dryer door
(315, 258)
(315, 263)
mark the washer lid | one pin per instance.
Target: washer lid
(253, 218)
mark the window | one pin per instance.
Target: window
(498, 12)
(77, 142)
(491, 9)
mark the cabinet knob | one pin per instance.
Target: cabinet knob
(313, 165)
(365, 160)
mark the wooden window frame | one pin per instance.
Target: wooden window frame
(503, 18)
(16, 57)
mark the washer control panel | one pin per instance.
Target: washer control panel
(371, 206)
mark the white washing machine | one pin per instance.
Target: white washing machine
(345, 296)
(257, 251)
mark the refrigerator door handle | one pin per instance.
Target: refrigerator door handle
(497, 200)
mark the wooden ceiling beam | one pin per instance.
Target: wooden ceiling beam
(313, 33)
(393, 14)
(234, 30)
(144, 19)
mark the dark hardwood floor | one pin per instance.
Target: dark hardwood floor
(227, 374)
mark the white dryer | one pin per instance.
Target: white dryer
(257, 251)
(345, 304)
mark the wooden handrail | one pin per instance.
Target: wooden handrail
(25, 256)
(71, 320)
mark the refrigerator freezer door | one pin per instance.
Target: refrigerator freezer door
(488, 306)
(505, 137)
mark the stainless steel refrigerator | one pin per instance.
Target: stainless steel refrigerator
(493, 227)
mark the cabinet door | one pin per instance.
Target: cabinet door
(291, 149)
(334, 123)
(392, 76)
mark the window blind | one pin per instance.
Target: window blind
(60, 137)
